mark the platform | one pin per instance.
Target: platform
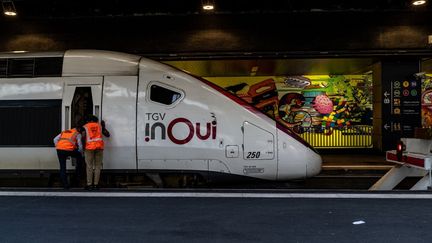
(307, 217)
(354, 171)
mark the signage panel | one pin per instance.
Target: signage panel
(401, 103)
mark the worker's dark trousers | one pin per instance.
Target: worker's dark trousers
(62, 156)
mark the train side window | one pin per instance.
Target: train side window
(29, 123)
(164, 95)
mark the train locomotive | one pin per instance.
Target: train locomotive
(160, 118)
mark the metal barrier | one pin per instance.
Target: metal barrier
(358, 136)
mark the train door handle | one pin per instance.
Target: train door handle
(97, 111)
(66, 117)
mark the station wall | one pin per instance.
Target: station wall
(426, 102)
(328, 111)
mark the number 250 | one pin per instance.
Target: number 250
(253, 155)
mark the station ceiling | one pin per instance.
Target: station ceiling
(284, 67)
(48, 10)
(275, 67)
(119, 8)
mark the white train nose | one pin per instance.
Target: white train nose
(313, 164)
(297, 160)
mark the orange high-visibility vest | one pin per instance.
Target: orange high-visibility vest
(93, 136)
(68, 140)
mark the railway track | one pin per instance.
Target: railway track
(358, 174)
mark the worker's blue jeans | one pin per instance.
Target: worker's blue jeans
(62, 156)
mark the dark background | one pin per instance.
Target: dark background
(236, 28)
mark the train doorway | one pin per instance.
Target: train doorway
(82, 106)
(81, 97)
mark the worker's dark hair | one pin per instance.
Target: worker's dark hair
(81, 122)
(92, 118)
(79, 128)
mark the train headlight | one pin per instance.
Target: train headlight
(400, 148)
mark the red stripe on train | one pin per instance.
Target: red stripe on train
(406, 159)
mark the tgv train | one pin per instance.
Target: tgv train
(160, 118)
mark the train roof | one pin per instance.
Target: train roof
(69, 63)
(97, 63)
(22, 54)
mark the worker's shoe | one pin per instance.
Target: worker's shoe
(95, 187)
(88, 188)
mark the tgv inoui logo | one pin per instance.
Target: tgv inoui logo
(164, 128)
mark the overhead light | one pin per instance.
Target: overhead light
(207, 5)
(418, 2)
(9, 8)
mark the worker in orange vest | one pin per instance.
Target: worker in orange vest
(68, 144)
(94, 146)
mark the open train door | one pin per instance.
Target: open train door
(82, 96)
